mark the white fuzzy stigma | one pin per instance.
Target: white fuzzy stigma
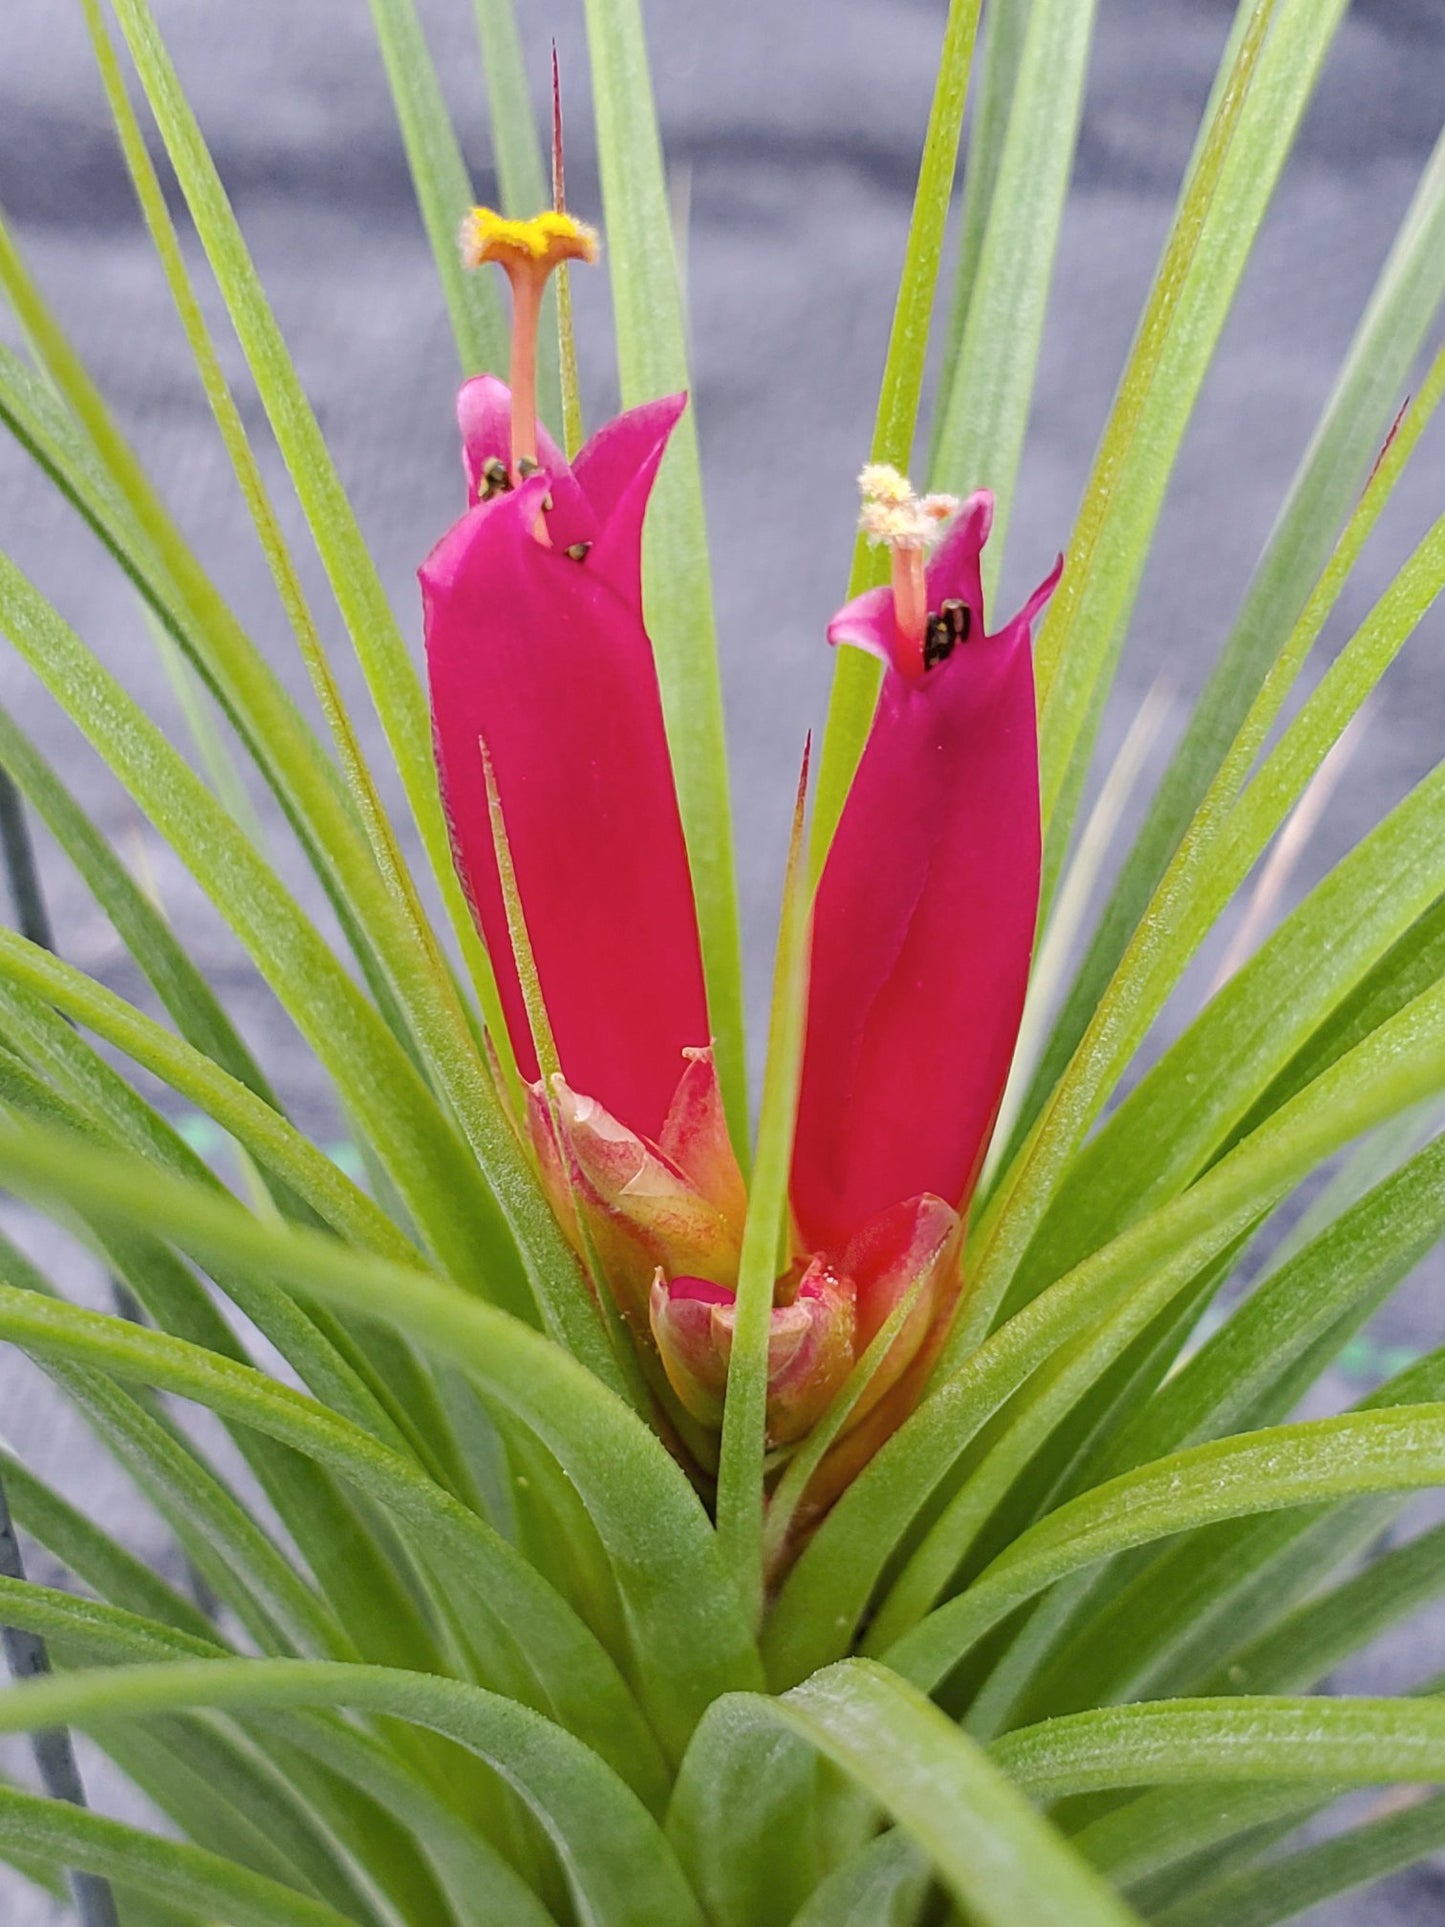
(894, 517)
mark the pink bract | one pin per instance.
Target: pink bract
(546, 658)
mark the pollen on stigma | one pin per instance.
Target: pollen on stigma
(894, 517)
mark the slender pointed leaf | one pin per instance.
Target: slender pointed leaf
(677, 591)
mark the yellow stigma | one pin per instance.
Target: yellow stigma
(894, 517)
(540, 244)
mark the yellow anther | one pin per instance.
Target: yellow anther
(542, 243)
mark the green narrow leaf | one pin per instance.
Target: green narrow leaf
(1407, 295)
(47, 1875)
(533, 1644)
(682, 1610)
(882, 1886)
(27, 1656)
(1167, 1623)
(828, 1590)
(105, 484)
(1161, 1831)
(1016, 1449)
(1003, 39)
(987, 389)
(1286, 1888)
(233, 433)
(303, 1177)
(1323, 1632)
(374, 1603)
(426, 1157)
(1223, 203)
(1359, 1742)
(743, 1817)
(200, 710)
(1415, 962)
(677, 589)
(163, 1868)
(1285, 1466)
(516, 151)
(356, 1764)
(93, 1099)
(232, 1798)
(1351, 1267)
(1225, 841)
(740, 1499)
(194, 1076)
(1249, 1374)
(855, 674)
(439, 175)
(617, 1859)
(1001, 1862)
(573, 432)
(1189, 1103)
(94, 1557)
(197, 1012)
(391, 677)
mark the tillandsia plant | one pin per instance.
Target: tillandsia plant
(614, 1512)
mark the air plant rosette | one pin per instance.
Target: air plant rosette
(889, 1511)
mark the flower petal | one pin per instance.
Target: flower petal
(606, 465)
(867, 622)
(956, 571)
(484, 416)
(810, 1348)
(621, 1204)
(616, 471)
(541, 657)
(912, 1248)
(695, 1138)
(804, 1378)
(923, 931)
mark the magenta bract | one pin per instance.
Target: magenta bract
(545, 656)
(924, 922)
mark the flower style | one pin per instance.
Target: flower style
(922, 931)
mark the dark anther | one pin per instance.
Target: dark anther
(495, 480)
(527, 468)
(946, 629)
(578, 551)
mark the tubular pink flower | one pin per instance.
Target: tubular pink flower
(535, 642)
(924, 921)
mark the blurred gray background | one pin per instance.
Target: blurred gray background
(793, 134)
